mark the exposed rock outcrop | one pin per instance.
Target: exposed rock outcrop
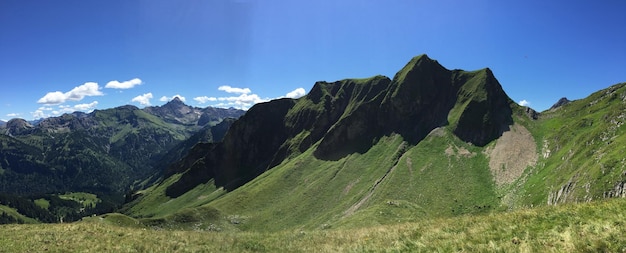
(17, 127)
(563, 101)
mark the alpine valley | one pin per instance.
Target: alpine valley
(430, 147)
(95, 158)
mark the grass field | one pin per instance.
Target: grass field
(85, 199)
(591, 227)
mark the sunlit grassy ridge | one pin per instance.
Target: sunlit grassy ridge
(391, 183)
(591, 227)
(581, 148)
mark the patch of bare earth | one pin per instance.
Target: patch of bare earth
(438, 132)
(459, 152)
(514, 151)
(349, 187)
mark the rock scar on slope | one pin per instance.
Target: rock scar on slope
(514, 151)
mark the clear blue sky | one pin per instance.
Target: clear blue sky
(60, 56)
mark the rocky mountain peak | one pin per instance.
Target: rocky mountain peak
(177, 111)
(563, 101)
(17, 126)
(175, 102)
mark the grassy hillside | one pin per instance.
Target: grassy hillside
(351, 153)
(430, 143)
(392, 182)
(581, 147)
(10, 215)
(408, 184)
(590, 227)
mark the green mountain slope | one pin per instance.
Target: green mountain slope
(105, 152)
(430, 142)
(351, 147)
(581, 147)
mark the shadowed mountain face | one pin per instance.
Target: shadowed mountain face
(350, 116)
(430, 142)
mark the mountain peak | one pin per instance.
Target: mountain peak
(563, 101)
(175, 104)
(418, 65)
(422, 60)
(17, 126)
(176, 101)
(422, 57)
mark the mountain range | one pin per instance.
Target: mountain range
(105, 152)
(428, 143)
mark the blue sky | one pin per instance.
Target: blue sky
(62, 56)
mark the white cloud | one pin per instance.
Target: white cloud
(166, 99)
(41, 112)
(52, 98)
(86, 107)
(143, 99)
(229, 89)
(88, 89)
(297, 93)
(38, 114)
(45, 112)
(13, 114)
(64, 108)
(524, 103)
(243, 101)
(123, 85)
(246, 98)
(205, 99)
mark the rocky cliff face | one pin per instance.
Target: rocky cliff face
(562, 101)
(350, 115)
(17, 127)
(248, 149)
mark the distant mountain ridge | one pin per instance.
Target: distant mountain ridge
(177, 111)
(102, 152)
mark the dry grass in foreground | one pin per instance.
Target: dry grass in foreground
(591, 227)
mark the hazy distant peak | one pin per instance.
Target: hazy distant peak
(563, 101)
